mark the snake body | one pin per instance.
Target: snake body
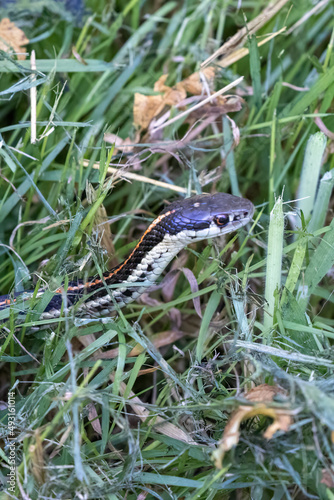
(179, 224)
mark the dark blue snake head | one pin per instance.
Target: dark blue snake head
(206, 216)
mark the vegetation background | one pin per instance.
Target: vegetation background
(136, 406)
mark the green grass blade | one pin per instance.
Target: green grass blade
(255, 70)
(229, 152)
(207, 317)
(322, 202)
(310, 173)
(321, 262)
(302, 102)
(274, 266)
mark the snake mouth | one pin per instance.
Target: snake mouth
(240, 219)
(237, 217)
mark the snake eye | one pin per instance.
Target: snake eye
(223, 220)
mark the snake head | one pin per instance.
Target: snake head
(207, 216)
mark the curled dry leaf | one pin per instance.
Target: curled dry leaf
(145, 108)
(235, 131)
(174, 96)
(261, 397)
(148, 107)
(194, 83)
(160, 86)
(12, 38)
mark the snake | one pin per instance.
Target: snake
(181, 223)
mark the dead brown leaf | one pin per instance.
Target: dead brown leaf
(148, 107)
(194, 83)
(12, 38)
(145, 108)
(159, 85)
(174, 96)
(261, 396)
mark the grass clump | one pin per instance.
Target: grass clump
(134, 406)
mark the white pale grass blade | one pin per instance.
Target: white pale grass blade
(274, 264)
(310, 173)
